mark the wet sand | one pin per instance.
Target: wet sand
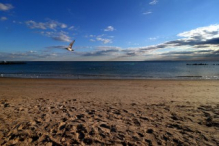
(108, 112)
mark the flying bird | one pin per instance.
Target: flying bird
(70, 46)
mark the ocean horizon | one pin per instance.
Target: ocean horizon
(113, 70)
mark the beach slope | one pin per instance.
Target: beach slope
(108, 112)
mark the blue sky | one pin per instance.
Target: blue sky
(109, 30)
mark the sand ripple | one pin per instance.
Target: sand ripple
(74, 122)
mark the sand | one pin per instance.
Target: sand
(108, 112)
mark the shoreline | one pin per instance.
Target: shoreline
(108, 112)
(178, 78)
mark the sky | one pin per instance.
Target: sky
(109, 30)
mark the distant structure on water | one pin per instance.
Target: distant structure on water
(11, 62)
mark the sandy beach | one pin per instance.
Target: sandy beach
(109, 112)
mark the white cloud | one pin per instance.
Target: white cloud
(3, 18)
(109, 28)
(89, 36)
(202, 33)
(99, 48)
(147, 13)
(34, 25)
(51, 24)
(5, 7)
(104, 40)
(101, 38)
(58, 36)
(153, 2)
(92, 40)
(71, 27)
(63, 25)
(62, 37)
(153, 38)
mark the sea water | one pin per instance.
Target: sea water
(113, 70)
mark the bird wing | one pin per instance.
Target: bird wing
(71, 44)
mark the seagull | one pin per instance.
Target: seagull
(70, 46)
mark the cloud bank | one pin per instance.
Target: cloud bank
(103, 50)
(23, 56)
(199, 43)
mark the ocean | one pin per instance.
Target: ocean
(113, 70)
